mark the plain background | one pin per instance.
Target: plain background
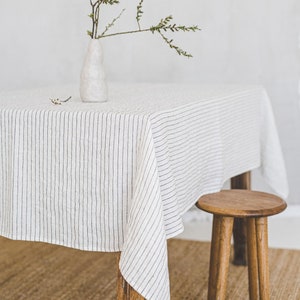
(43, 43)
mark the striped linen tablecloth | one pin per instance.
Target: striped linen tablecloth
(118, 176)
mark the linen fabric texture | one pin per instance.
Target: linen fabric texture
(118, 176)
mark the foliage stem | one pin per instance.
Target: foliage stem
(125, 32)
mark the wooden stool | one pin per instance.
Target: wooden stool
(255, 207)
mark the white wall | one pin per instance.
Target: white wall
(43, 43)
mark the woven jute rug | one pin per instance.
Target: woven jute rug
(39, 271)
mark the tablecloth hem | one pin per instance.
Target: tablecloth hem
(59, 243)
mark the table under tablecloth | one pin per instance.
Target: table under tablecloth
(118, 176)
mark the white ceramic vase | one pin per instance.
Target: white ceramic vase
(93, 87)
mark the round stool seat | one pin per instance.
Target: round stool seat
(241, 203)
(226, 207)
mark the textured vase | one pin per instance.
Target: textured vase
(93, 87)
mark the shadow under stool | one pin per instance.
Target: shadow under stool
(255, 207)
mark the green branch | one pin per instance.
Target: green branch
(176, 48)
(110, 2)
(111, 24)
(162, 27)
(139, 13)
(124, 32)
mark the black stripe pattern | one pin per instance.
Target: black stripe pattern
(118, 176)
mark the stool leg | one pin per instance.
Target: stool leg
(214, 256)
(239, 242)
(124, 290)
(219, 257)
(262, 256)
(252, 259)
(242, 182)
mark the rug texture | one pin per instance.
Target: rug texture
(39, 271)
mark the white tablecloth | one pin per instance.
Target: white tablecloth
(118, 176)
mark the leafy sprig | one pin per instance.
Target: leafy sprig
(111, 2)
(161, 28)
(111, 24)
(139, 13)
(165, 26)
(176, 48)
